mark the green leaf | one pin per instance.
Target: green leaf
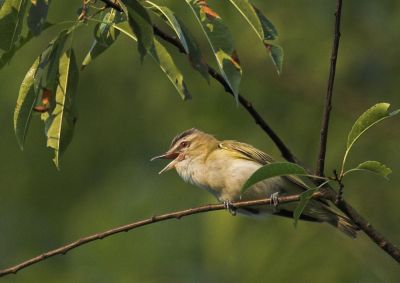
(141, 25)
(188, 42)
(304, 199)
(369, 118)
(263, 28)
(273, 170)
(373, 167)
(11, 20)
(25, 103)
(60, 121)
(160, 54)
(105, 36)
(37, 16)
(49, 60)
(170, 17)
(221, 43)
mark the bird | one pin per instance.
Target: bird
(222, 168)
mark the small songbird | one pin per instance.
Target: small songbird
(222, 167)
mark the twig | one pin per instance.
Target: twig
(329, 93)
(112, 4)
(173, 215)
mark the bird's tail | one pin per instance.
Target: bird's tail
(345, 225)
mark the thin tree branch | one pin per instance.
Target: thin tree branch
(172, 215)
(329, 93)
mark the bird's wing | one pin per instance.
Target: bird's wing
(246, 151)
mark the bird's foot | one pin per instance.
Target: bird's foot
(228, 206)
(274, 198)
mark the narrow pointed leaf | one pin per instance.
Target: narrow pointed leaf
(141, 25)
(25, 103)
(273, 170)
(373, 167)
(37, 16)
(187, 40)
(105, 36)
(221, 43)
(304, 199)
(263, 28)
(161, 55)
(170, 17)
(11, 20)
(60, 122)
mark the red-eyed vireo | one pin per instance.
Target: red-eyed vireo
(222, 167)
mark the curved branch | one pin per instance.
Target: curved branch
(329, 93)
(173, 215)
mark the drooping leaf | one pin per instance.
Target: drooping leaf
(37, 16)
(276, 53)
(60, 122)
(141, 25)
(221, 43)
(273, 170)
(25, 103)
(170, 17)
(105, 36)
(6, 57)
(187, 40)
(304, 199)
(263, 28)
(374, 167)
(161, 55)
(47, 72)
(11, 20)
(369, 118)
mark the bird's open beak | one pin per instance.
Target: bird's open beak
(167, 155)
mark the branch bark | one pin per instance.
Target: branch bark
(173, 215)
(329, 92)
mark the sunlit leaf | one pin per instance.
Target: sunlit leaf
(221, 43)
(263, 28)
(273, 170)
(25, 103)
(60, 121)
(369, 118)
(304, 199)
(375, 114)
(11, 20)
(37, 15)
(187, 40)
(105, 36)
(373, 167)
(164, 60)
(141, 25)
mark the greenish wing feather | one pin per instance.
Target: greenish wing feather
(246, 151)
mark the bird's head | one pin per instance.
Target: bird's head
(186, 146)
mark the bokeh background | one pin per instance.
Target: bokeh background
(129, 111)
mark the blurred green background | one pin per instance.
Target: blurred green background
(129, 111)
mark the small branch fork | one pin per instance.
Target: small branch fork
(173, 215)
(329, 93)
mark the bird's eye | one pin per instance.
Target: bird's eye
(184, 144)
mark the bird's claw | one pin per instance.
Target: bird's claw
(228, 206)
(274, 198)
